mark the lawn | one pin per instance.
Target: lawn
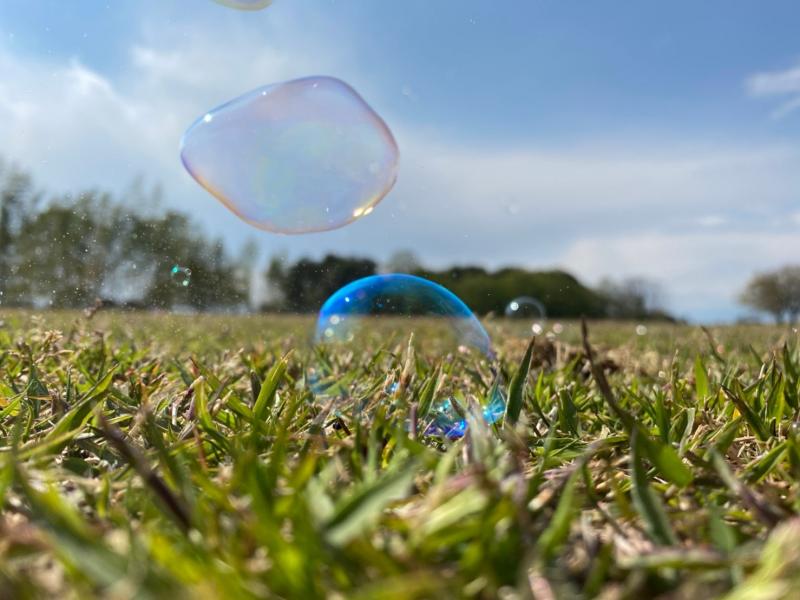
(188, 456)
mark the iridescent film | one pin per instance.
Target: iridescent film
(295, 157)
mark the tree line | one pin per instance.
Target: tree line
(74, 251)
(304, 285)
(776, 293)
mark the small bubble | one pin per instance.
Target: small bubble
(641, 330)
(558, 328)
(409, 93)
(537, 328)
(525, 307)
(181, 275)
(402, 305)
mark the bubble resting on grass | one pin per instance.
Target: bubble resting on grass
(294, 157)
(405, 302)
(348, 312)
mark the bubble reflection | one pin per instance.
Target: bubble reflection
(294, 157)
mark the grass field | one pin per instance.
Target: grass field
(186, 456)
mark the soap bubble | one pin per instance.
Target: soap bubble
(181, 275)
(367, 312)
(641, 329)
(245, 4)
(525, 307)
(294, 157)
(352, 312)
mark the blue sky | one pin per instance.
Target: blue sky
(609, 138)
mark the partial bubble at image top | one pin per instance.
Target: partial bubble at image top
(295, 157)
(245, 4)
(381, 306)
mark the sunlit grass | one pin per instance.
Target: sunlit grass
(172, 455)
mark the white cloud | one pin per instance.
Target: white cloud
(649, 207)
(711, 221)
(74, 126)
(698, 219)
(777, 84)
(699, 269)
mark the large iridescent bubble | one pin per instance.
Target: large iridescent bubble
(294, 157)
(372, 310)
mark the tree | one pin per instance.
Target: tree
(75, 251)
(484, 292)
(305, 285)
(402, 261)
(275, 278)
(65, 251)
(775, 292)
(18, 201)
(632, 298)
(246, 261)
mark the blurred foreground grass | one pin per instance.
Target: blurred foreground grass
(185, 456)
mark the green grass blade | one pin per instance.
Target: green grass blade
(646, 501)
(516, 388)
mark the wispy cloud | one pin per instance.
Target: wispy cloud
(710, 221)
(777, 84)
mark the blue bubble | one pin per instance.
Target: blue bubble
(398, 305)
